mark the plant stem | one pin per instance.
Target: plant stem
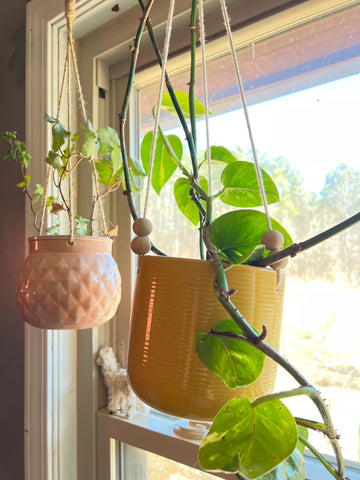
(222, 292)
(193, 75)
(296, 248)
(321, 459)
(308, 390)
(172, 94)
(318, 427)
(125, 106)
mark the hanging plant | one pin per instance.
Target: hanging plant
(69, 281)
(251, 437)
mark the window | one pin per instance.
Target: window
(67, 438)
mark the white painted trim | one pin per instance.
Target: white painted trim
(51, 433)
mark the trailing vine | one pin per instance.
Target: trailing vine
(213, 445)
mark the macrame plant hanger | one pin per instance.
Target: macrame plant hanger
(71, 61)
(142, 226)
(272, 239)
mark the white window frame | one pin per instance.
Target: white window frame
(64, 440)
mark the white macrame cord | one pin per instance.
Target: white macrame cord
(158, 106)
(247, 118)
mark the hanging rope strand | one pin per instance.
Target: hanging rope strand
(205, 86)
(242, 94)
(158, 106)
(76, 70)
(70, 15)
(70, 207)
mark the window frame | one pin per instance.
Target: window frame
(61, 436)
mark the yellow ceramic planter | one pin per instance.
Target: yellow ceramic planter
(173, 301)
(64, 286)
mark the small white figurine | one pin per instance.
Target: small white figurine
(121, 399)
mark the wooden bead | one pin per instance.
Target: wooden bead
(272, 239)
(280, 264)
(142, 227)
(140, 245)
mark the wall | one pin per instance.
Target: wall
(12, 234)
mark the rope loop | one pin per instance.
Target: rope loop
(70, 10)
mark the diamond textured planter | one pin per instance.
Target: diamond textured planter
(173, 301)
(64, 286)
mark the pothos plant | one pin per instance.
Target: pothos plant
(251, 439)
(100, 149)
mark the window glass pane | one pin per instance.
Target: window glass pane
(141, 465)
(303, 92)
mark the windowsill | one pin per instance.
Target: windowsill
(155, 434)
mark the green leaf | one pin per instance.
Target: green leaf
(59, 135)
(235, 361)
(241, 187)
(163, 166)
(38, 193)
(50, 201)
(183, 100)
(81, 225)
(53, 159)
(183, 199)
(304, 432)
(235, 234)
(105, 173)
(109, 143)
(108, 140)
(54, 229)
(293, 468)
(254, 440)
(7, 136)
(115, 156)
(19, 152)
(256, 253)
(25, 183)
(9, 155)
(24, 159)
(50, 119)
(88, 145)
(136, 168)
(221, 155)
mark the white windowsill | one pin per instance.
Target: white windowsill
(155, 434)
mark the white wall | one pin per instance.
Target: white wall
(12, 247)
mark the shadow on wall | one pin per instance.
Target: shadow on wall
(17, 59)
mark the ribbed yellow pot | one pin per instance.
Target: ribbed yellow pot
(173, 301)
(64, 286)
